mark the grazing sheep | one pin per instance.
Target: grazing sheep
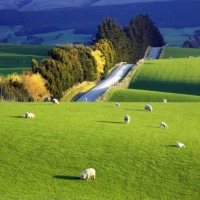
(29, 115)
(180, 145)
(163, 124)
(127, 119)
(47, 99)
(164, 100)
(55, 101)
(85, 99)
(148, 107)
(88, 174)
(117, 105)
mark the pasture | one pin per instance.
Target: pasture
(176, 37)
(169, 75)
(53, 38)
(136, 95)
(171, 52)
(16, 58)
(42, 158)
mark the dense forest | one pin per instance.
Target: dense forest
(69, 65)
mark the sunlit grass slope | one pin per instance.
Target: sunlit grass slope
(133, 95)
(16, 58)
(169, 75)
(175, 79)
(42, 158)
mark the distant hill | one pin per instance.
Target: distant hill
(29, 17)
(36, 5)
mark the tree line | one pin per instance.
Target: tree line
(68, 65)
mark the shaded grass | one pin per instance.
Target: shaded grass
(75, 92)
(42, 158)
(16, 58)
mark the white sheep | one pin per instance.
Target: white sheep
(127, 119)
(148, 107)
(180, 145)
(85, 99)
(88, 174)
(164, 100)
(163, 124)
(117, 105)
(55, 101)
(29, 115)
(47, 99)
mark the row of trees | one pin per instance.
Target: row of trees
(130, 42)
(72, 64)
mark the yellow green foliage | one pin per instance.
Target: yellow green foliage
(15, 77)
(100, 59)
(35, 85)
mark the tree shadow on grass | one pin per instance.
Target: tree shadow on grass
(111, 122)
(77, 96)
(65, 177)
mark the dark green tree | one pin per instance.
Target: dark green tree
(110, 30)
(142, 33)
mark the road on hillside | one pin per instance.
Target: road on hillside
(117, 74)
(154, 53)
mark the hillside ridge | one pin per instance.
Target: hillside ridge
(35, 5)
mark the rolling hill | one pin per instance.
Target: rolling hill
(175, 78)
(173, 14)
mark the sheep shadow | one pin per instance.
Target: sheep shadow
(64, 177)
(152, 127)
(135, 109)
(111, 122)
(170, 145)
(16, 116)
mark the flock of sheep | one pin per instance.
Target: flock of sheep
(162, 124)
(90, 173)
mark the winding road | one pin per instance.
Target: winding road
(154, 52)
(117, 74)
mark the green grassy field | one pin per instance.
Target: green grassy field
(176, 79)
(16, 58)
(135, 95)
(169, 75)
(55, 38)
(171, 52)
(42, 158)
(52, 38)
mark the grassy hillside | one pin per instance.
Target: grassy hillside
(171, 52)
(135, 95)
(175, 37)
(16, 58)
(61, 37)
(176, 79)
(169, 75)
(42, 158)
